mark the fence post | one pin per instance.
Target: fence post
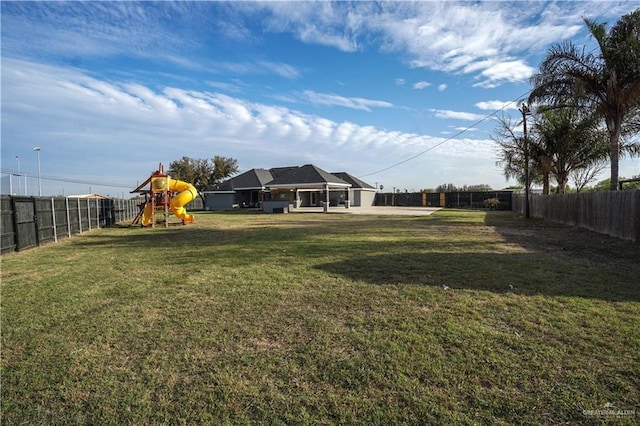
(89, 213)
(79, 217)
(53, 216)
(66, 205)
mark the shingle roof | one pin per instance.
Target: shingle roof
(307, 174)
(279, 171)
(354, 181)
(254, 178)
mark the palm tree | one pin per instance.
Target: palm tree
(567, 141)
(607, 82)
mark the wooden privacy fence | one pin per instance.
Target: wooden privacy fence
(31, 221)
(458, 199)
(615, 213)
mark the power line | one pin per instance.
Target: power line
(449, 138)
(64, 179)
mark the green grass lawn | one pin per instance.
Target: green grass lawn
(462, 317)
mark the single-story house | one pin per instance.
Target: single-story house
(290, 188)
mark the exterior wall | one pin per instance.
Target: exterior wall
(288, 196)
(247, 198)
(362, 198)
(336, 197)
(282, 205)
(219, 201)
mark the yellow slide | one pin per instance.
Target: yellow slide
(186, 194)
(145, 220)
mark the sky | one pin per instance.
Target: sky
(403, 95)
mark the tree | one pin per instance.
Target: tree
(446, 187)
(482, 187)
(581, 177)
(606, 83)
(202, 173)
(223, 167)
(567, 141)
(512, 151)
(604, 185)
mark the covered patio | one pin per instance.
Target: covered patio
(307, 187)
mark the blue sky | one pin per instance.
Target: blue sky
(108, 90)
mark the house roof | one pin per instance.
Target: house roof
(251, 179)
(307, 175)
(354, 181)
(279, 171)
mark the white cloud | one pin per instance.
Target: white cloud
(255, 67)
(496, 105)
(421, 85)
(330, 99)
(221, 85)
(400, 81)
(457, 115)
(511, 71)
(324, 23)
(442, 87)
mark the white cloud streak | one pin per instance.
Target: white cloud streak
(496, 105)
(330, 99)
(421, 85)
(457, 115)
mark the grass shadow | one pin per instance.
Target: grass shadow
(520, 273)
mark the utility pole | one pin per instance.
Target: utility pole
(37, 150)
(525, 111)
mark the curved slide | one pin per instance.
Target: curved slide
(186, 194)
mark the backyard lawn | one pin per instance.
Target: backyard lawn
(461, 317)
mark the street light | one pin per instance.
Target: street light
(525, 110)
(37, 150)
(19, 185)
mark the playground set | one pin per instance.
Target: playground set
(163, 195)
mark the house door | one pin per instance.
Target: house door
(313, 199)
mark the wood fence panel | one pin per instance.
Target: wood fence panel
(30, 221)
(615, 213)
(44, 212)
(8, 241)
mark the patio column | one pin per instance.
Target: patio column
(327, 196)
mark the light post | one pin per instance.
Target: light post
(19, 184)
(37, 150)
(525, 110)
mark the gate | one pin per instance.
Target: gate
(25, 222)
